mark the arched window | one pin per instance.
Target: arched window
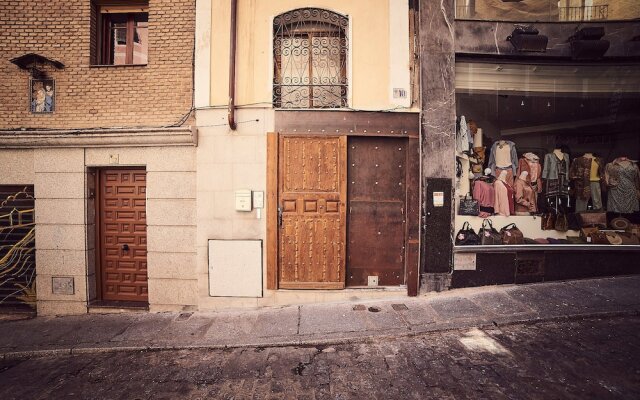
(310, 59)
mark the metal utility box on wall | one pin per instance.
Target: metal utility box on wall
(243, 200)
(235, 268)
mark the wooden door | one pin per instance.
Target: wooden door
(123, 235)
(377, 169)
(312, 212)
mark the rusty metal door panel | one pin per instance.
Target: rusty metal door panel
(311, 201)
(376, 241)
(376, 210)
(17, 247)
(123, 235)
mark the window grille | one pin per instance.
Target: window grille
(310, 48)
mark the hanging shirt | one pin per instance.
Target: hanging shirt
(463, 138)
(594, 176)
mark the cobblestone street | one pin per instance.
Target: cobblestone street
(593, 358)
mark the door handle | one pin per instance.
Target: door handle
(279, 216)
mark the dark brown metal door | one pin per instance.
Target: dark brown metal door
(376, 210)
(312, 205)
(123, 235)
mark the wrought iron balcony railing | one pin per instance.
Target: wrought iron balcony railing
(586, 13)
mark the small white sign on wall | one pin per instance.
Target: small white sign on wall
(464, 261)
(438, 199)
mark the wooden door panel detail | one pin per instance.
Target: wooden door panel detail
(123, 235)
(377, 204)
(312, 198)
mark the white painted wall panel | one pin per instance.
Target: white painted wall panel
(235, 268)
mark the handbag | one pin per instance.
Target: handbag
(548, 221)
(511, 235)
(525, 30)
(488, 235)
(469, 206)
(573, 222)
(597, 218)
(587, 233)
(562, 224)
(599, 237)
(629, 239)
(467, 236)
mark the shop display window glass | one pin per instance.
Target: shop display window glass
(548, 10)
(552, 149)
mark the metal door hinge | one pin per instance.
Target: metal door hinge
(279, 216)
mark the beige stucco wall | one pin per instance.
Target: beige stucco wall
(621, 9)
(228, 161)
(232, 160)
(369, 61)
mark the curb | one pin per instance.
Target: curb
(443, 327)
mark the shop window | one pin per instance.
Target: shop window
(310, 49)
(547, 10)
(548, 152)
(122, 33)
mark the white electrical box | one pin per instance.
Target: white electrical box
(235, 268)
(258, 199)
(243, 200)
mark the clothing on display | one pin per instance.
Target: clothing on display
(463, 138)
(530, 163)
(623, 180)
(525, 196)
(555, 172)
(484, 192)
(503, 204)
(509, 177)
(564, 180)
(504, 155)
(586, 181)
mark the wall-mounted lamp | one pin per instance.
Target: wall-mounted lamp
(526, 38)
(587, 43)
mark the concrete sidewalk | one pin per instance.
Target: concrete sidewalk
(322, 323)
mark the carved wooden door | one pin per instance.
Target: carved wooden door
(312, 212)
(123, 235)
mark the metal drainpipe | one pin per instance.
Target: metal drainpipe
(232, 67)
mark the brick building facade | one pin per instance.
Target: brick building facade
(97, 155)
(89, 95)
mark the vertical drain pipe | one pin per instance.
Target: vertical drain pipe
(232, 67)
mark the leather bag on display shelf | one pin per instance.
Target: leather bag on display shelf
(585, 233)
(469, 206)
(511, 235)
(548, 221)
(489, 235)
(597, 218)
(466, 236)
(562, 223)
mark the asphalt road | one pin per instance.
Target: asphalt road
(566, 359)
